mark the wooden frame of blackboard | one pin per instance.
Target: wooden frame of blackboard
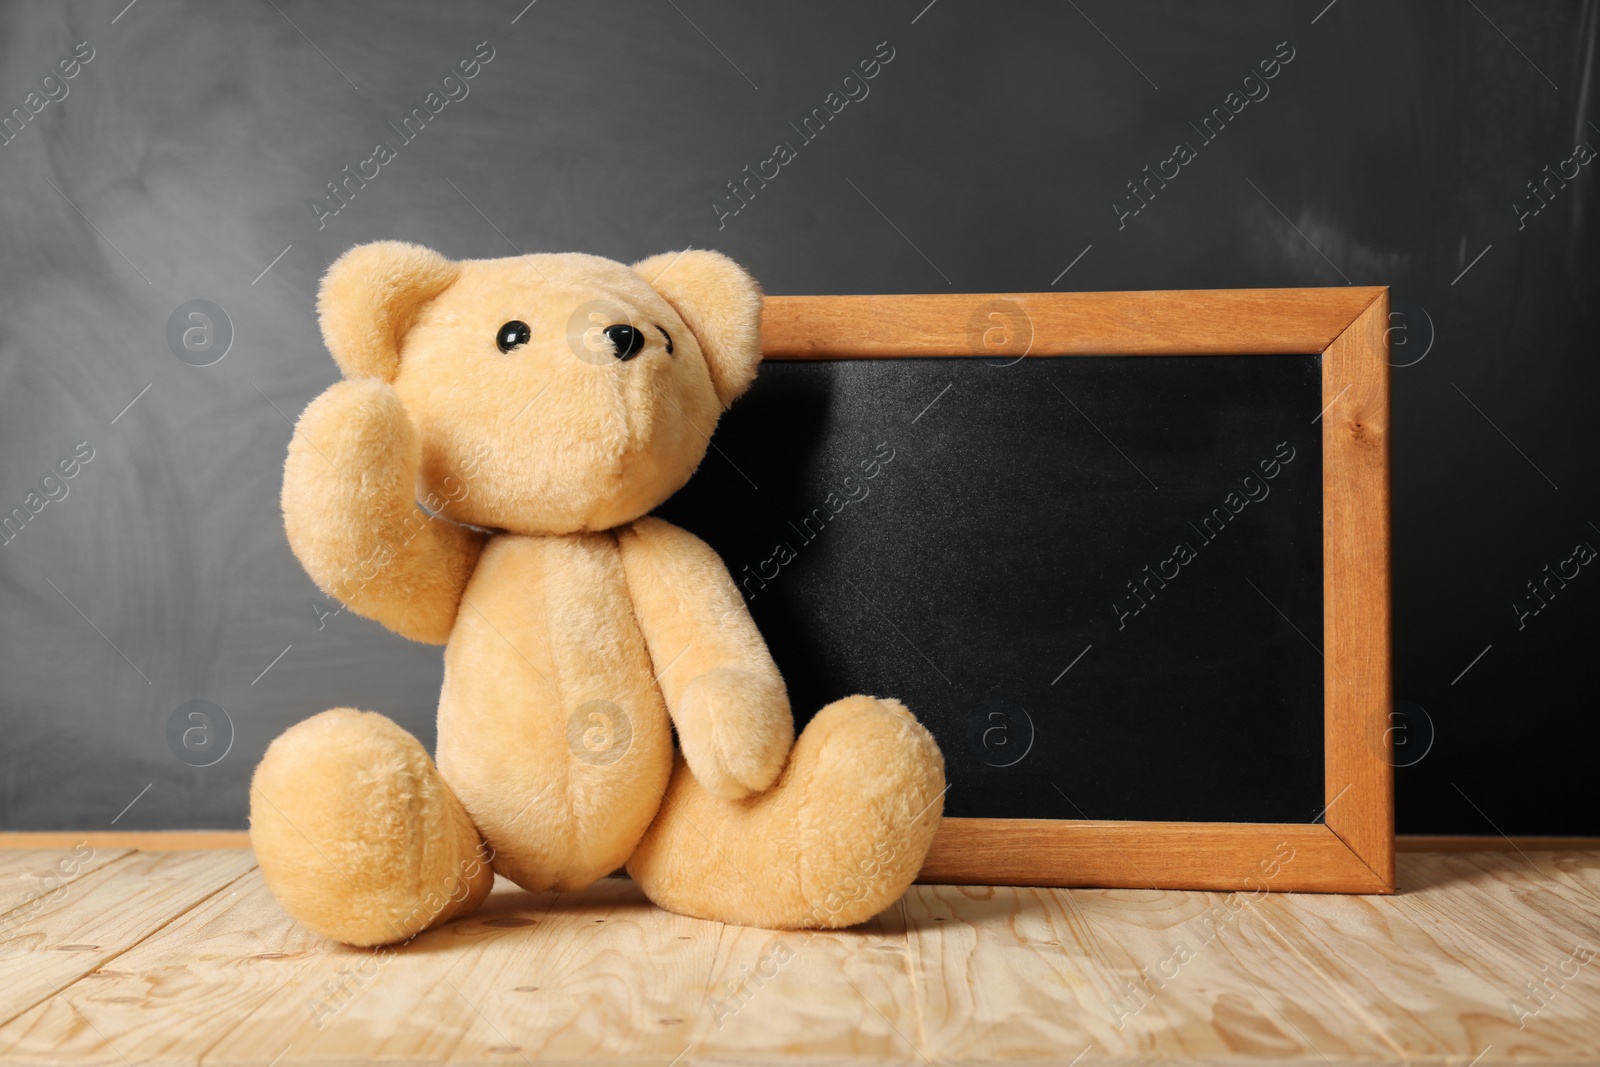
(1352, 849)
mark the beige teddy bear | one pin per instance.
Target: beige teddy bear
(540, 407)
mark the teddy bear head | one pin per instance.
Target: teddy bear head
(548, 393)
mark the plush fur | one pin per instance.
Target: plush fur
(578, 631)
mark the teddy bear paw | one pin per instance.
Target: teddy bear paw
(837, 838)
(735, 730)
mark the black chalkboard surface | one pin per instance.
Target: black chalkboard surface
(1097, 580)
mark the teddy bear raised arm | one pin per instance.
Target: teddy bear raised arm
(538, 408)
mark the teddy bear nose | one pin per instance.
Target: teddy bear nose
(625, 341)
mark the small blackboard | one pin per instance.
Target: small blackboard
(1097, 579)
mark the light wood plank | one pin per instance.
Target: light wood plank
(1464, 843)
(1030, 974)
(832, 996)
(1000, 971)
(1440, 967)
(976, 975)
(100, 916)
(1180, 322)
(591, 976)
(1573, 873)
(146, 840)
(27, 876)
(576, 991)
(177, 993)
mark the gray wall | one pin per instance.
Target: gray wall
(187, 152)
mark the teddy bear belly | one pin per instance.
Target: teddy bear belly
(552, 731)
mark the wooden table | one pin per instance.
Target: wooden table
(118, 956)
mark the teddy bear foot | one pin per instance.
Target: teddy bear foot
(357, 834)
(836, 840)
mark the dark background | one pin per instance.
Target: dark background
(961, 534)
(986, 158)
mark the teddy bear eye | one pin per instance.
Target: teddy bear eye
(513, 334)
(668, 336)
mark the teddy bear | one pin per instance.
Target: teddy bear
(539, 407)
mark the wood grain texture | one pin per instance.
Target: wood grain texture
(527, 978)
(28, 876)
(1147, 855)
(827, 996)
(1357, 654)
(1463, 843)
(1442, 970)
(1484, 958)
(175, 994)
(998, 974)
(1119, 974)
(97, 917)
(1179, 322)
(147, 840)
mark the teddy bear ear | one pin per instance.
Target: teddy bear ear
(721, 304)
(369, 299)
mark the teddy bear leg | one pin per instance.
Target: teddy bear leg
(837, 838)
(357, 834)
